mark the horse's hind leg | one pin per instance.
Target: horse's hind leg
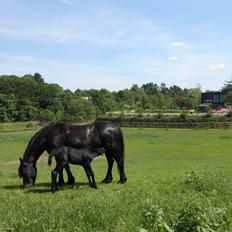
(120, 162)
(110, 161)
(71, 179)
(90, 175)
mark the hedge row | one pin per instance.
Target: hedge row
(169, 124)
(195, 125)
(170, 118)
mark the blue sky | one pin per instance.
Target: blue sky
(113, 44)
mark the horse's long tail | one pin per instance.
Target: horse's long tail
(121, 147)
(120, 154)
(50, 159)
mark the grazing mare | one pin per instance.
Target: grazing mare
(100, 134)
(82, 156)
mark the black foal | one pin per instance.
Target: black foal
(65, 155)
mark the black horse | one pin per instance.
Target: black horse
(100, 134)
(82, 156)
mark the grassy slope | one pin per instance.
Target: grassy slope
(157, 192)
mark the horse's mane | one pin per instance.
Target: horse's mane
(34, 138)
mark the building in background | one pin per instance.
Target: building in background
(215, 100)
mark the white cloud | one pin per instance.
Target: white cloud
(218, 66)
(177, 44)
(173, 58)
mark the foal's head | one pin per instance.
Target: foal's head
(28, 172)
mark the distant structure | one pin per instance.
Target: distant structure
(215, 100)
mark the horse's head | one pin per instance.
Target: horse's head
(28, 172)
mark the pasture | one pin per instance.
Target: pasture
(178, 180)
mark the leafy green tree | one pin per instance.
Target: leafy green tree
(227, 86)
(3, 114)
(50, 97)
(66, 97)
(28, 113)
(193, 98)
(162, 101)
(103, 100)
(228, 97)
(80, 110)
(38, 78)
(8, 111)
(125, 100)
(150, 88)
(135, 88)
(47, 115)
(60, 115)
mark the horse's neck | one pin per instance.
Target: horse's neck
(32, 155)
(37, 144)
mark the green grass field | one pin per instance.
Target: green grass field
(178, 180)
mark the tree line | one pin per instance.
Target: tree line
(29, 97)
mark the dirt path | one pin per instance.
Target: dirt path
(43, 159)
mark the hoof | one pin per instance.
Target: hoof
(122, 181)
(93, 186)
(107, 180)
(62, 184)
(70, 183)
(55, 188)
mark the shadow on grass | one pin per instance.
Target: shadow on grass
(45, 187)
(11, 187)
(63, 188)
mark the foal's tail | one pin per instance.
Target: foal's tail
(50, 159)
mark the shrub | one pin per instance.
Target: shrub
(190, 218)
(183, 115)
(229, 114)
(208, 111)
(195, 181)
(153, 218)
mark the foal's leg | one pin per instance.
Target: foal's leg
(54, 174)
(110, 161)
(90, 174)
(61, 179)
(71, 179)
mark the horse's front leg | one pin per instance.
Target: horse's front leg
(90, 174)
